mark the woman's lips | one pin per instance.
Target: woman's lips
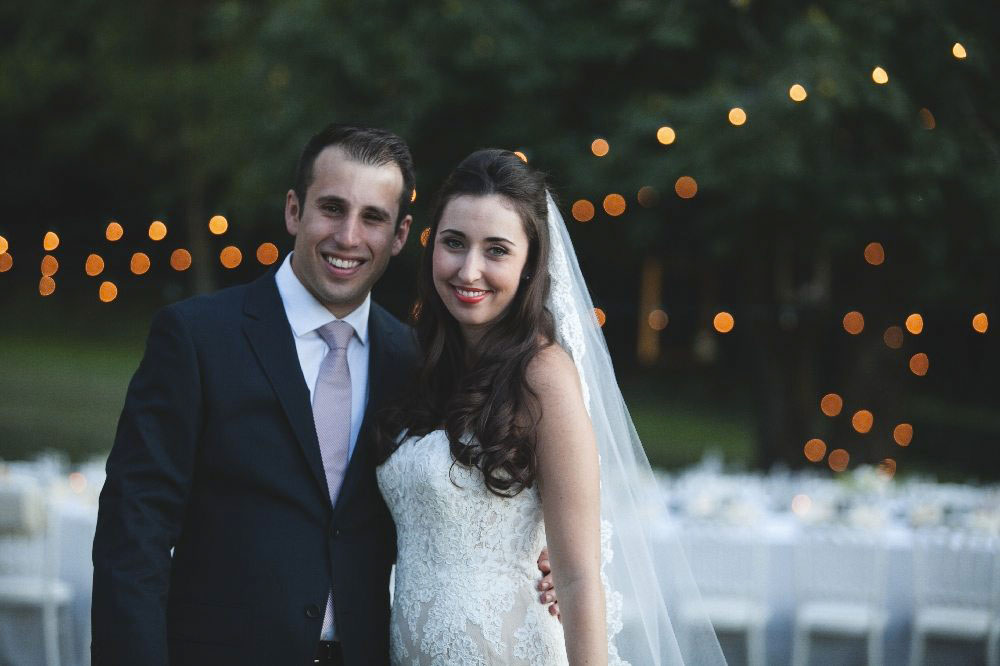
(467, 295)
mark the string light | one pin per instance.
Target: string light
(927, 119)
(874, 254)
(425, 236)
(838, 460)
(114, 232)
(648, 196)
(582, 210)
(958, 51)
(267, 254)
(658, 320)
(218, 225)
(50, 265)
(600, 316)
(686, 187)
(920, 364)
(614, 205)
(600, 147)
(902, 434)
(801, 504)
(6, 262)
(231, 257)
(831, 404)
(797, 92)
(413, 194)
(107, 292)
(666, 135)
(737, 116)
(880, 76)
(140, 263)
(915, 324)
(723, 322)
(180, 260)
(854, 322)
(157, 230)
(46, 286)
(94, 265)
(887, 468)
(815, 450)
(980, 323)
(524, 158)
(4, 245)
(51, 241)
(893, 337)
(862, 421)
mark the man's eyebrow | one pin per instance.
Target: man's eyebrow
(380, 212)
(329, 198)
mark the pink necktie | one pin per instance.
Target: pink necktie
(332, 414)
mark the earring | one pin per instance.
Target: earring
(527, 277)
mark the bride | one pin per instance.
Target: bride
(514, 436)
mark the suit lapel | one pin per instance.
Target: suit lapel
(266, 327)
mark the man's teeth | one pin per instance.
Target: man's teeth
(342, 263)
(470, 293)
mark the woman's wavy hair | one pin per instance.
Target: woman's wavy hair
(482, 398)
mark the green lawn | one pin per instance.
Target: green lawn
(65, 395)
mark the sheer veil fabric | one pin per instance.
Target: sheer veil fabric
(648, 583)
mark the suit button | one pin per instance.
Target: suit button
(312, 612)
(336, 532)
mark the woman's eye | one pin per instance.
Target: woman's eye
(498, 251)
(453, 243)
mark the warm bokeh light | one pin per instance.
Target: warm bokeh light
(927, 119)
(614, 205)
(658, 320)
(50, 265)
(980, 323)
(862, 421)
(601, 317)
(51, 241)
(893, 337)
(723, 322)
(231, 257)
(919, 364)
(648, 196)
(801, 504)
(874, 254)
(854, 322)
(583, 210)
(797, 92)
(903, 434)
(114, 232)
(46, 286)
(180, 259)
(77, 482)
(600, 147)
(413, 195)
(218, 225)
(815, 450)
(880, 76)
(6, 262)
(157, 230)
(140, 263)
(267, 253)
(425, 236)
(958, 51)
(915, 324)
(107, 292)
(831, 404)
(4, 245)
(94, 265)
(737, 116)
(838, 460)
(666, 135)
(887, 468)
(686, 187)
(524, 158)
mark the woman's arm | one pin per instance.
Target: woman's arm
(569, 482)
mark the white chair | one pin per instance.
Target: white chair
(956, 579)
(840, 589)
(729, 565)
(29, 567)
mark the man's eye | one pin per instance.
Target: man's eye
(331, 208)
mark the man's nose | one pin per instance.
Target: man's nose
(348, 231)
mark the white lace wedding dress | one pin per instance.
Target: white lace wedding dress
(466, 571)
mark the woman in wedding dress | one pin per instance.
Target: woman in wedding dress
(505, 444)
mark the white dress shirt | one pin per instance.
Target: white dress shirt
(306, 314)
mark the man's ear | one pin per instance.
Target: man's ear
(293, 213)
(402, 232)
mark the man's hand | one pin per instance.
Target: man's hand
(546, 586)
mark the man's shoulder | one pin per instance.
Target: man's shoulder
(218, 307)
(402, 333)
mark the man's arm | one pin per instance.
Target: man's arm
(142, 504)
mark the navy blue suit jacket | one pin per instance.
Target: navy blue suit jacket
(216, 457)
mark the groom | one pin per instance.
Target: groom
(240, 522)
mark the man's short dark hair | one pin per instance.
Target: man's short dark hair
(368, 145)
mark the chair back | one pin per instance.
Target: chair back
(840, 564)
(956, 568)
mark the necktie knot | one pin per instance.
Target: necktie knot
(336, 334)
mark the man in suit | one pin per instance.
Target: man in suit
(219, 537)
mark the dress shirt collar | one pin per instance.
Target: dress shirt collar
(306, 314)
